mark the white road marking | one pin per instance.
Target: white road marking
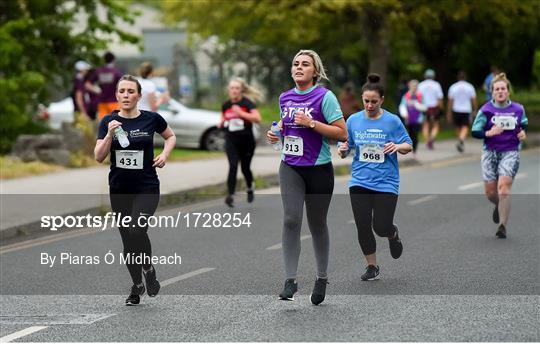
(479, 184)
(46, 240)
(22, 333)
(521, 175)
(453, 161)
(54, 319)
(278, 246)
(470, 186)
(185, 276)
(422, 199)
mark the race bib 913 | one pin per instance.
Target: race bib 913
(293, 145)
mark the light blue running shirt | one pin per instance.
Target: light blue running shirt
(382, 176)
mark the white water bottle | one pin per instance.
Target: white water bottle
(275, 129)
(341, 154)
(121, 136)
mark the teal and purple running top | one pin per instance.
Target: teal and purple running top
(512, 114)
(321, 105)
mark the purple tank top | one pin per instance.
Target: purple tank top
(507, 140)
(311, 104)
(414, 114)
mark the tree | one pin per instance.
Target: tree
(472, 35)
(359, 36)
(39, 42)
(246, 23)
(339, 30)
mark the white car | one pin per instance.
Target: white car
(194, 128)
(57, 113)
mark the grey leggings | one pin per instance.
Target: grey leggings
(314, 186)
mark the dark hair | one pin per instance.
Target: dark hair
(108, 57)
(373, 84)
(145, 69)
(127, 77)
(89, 74)
(462, 75)
(348, 87)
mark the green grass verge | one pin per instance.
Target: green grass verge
(269, 112)
(14, 168)
(530, 99)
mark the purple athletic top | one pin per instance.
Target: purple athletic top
(415, 116)
(507, 140)
(107, 77)
(311, 104)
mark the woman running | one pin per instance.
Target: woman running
(150, 100)
(133, 182)
(237, 117)
(501, 123)
(377, 135)
(310, 115)
(411, 110)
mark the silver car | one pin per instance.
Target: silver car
(194, 128)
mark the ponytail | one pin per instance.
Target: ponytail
(373, 84)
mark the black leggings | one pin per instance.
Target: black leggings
(413, 130)
(373, 211)
(239, 148)
(135, 237)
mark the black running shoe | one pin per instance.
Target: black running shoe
(319, 291)
(460, 146)
(289, 289)
(152, 284)
(229, 200)
(495, 216)
(396, 247)
(372, 273)
(134, 297)
(250, 196)
(501, 232)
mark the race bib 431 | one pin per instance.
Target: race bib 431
(130, 159)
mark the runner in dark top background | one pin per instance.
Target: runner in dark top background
(237, 117)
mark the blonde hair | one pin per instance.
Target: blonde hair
(145, 69)
(320, 73)
(248, 91)
(500, 77)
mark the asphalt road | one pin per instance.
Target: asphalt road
(454, 282)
